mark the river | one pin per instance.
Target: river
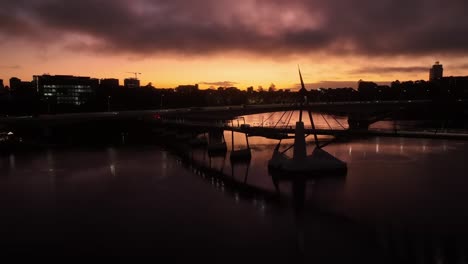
(402, 200)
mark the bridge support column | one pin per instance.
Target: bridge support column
(216, 142)
(216, 136)
(300, 151)
(360, 122)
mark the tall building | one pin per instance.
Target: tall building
(107, 87)
(436, 72)
(3, 91)
(457, 86)
(109, 83)
(66, 89)
(15, 83)
(132, 83)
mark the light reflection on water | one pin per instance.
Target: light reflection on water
(393, 184)
(388, 178)
(277, 119)
(417, 185)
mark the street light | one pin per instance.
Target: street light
(161, 105)
(108, 103)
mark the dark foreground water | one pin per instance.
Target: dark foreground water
(402, 201)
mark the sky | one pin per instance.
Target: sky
(234, 43)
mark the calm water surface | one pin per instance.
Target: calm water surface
(403, 200)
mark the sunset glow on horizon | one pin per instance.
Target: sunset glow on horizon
(221, 43)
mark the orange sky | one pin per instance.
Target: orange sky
(167, 71)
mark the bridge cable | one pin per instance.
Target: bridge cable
(336, 120)
(279, 120)
(326, 121)
(331, 128)
(289, 120)
(290, 147)
(282, 116)
(271, 115)
(290, 113)
(286, 124)
(336, 136)
(313, 127)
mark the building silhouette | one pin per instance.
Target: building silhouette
(109, 83)
(132, 83)
(436, 72)
(187, 89)
(3, 90)
(15, 83)
(65, 89)
(455, 86)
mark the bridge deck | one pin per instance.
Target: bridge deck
(210, 114)
(271, 131)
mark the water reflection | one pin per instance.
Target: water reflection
(390, 180)
(52, 173)
(111, 152)
(278, 119)
(377, 145)
(12, 162)
(235, 184)
(242, 168)
(402, 201)
(239, 186)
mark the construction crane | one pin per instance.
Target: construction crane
(136, 74)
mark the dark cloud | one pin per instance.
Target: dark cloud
(268, 27)
(220, 84)
(384, 70)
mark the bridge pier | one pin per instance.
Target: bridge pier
(359, 121)
(358, 124)
(216, 142)
(240, 155)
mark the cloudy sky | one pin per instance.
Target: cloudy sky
(242, 42)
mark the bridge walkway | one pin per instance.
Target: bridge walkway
(277, 133)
